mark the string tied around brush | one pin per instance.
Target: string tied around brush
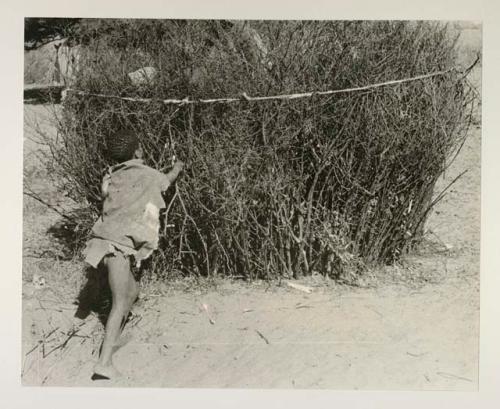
(244, 97)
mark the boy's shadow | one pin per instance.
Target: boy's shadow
(95, 295)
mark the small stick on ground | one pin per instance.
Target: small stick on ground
(298, 307)
(262, 336)
(65, 342)
(32, 349)
(300, 287)
(415, 355)
(451, 376)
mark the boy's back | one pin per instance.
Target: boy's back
(132, 203)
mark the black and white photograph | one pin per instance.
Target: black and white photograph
(251, 203)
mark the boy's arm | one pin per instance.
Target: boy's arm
(105, 184)
(173, 174)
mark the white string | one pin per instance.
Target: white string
(245, 97)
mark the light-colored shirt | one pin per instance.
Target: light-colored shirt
(131, 211)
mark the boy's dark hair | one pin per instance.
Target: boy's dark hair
(122, 144)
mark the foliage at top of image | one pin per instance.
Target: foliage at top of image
(276, 188)
(40, 30)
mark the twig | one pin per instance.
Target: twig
(46, 337)
(298, 307)
(34, 348)
(439, 198)
(262, 336)
(46, 377)
(415, 355)
(207, 261)
(136, 321)
(168, 211)
(374, 310)
(467, 71)
(205, 308)
(442, 193)
(452, 376)
(35, 196)
(65, 342)
(300, 287)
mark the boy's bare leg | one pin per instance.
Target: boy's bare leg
(124, 291)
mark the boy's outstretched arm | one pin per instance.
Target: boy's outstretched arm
(105, 185)
(174, 173)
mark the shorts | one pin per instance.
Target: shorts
(97, 249)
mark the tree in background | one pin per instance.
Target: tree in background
(39, 31)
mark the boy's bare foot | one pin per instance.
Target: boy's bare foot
(105, 372)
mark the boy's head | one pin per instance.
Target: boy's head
(123, 145)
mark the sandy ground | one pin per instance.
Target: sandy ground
(416, 330)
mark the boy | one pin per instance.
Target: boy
(127, 229)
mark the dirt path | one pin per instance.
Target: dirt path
(417, 331)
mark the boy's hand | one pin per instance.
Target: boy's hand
(179, 165)
(176, 170)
